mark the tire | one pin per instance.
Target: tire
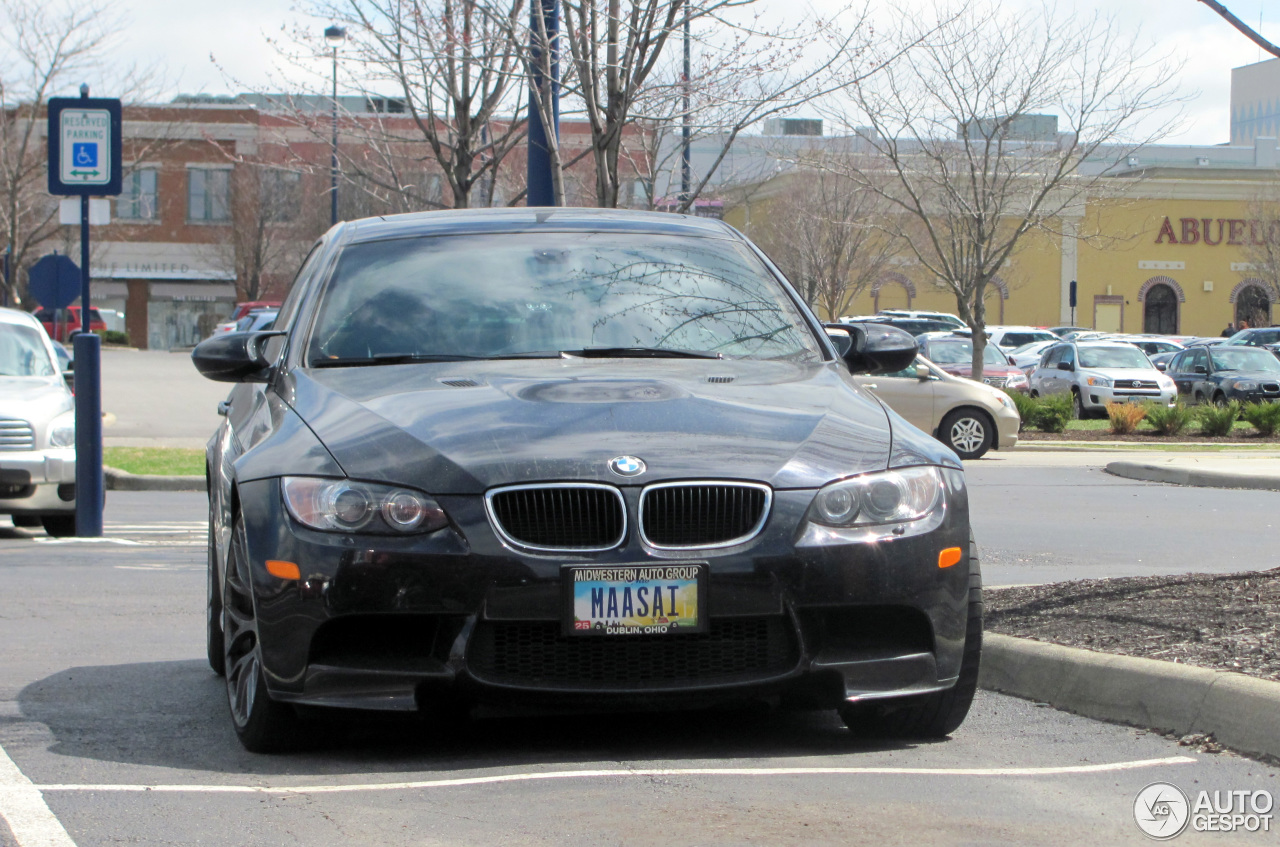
(1077, 406)
(1220, 400)
(214, 646)
(969, 432)
(1035, 395)
(262, 724)
(27, 521)
(941, 713)
(59, 526)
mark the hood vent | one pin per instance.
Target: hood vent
(720, 379)
(460, 382)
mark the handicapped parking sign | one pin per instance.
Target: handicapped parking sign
(84, 146)
(85, 155)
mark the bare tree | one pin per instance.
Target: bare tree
(274, 222)
(820, 230)
(443, 77)
(957, 140)
(49, 47)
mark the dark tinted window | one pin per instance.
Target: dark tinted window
(507, 294)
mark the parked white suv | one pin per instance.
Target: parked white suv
(1096, 373)
(1012, 337)
(37, 429)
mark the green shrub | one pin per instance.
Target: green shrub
(1264, 417)
(1125, 417)
(1026, 405)
(1217, 421)
(1053, 413)
(1168, 420)
(115, 336)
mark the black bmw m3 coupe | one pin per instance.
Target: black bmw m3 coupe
(575, 456)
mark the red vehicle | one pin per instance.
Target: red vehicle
(954, 354)
(61, 330)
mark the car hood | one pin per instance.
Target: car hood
(36, 400)
(465, 427)
(1125, 373)
(1260, 376)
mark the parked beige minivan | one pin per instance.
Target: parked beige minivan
(967, 416)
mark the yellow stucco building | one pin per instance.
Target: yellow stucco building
(1170, 254)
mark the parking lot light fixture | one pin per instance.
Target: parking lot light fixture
(334, 36)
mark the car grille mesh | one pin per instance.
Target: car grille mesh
(535, 654)
(1271, 387)
(560, 517)
(701, 515)
(997, 381)
(16, 435)
(1136, 383)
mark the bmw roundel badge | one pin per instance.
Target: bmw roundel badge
(626, 466)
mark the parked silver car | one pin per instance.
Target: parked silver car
(1095, 373)
(37, 429)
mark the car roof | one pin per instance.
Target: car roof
(1104, 342)
(521, 219)
(17, 316)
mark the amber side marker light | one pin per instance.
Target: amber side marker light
(946, 558)
(284, 570)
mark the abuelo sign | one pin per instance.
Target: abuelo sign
(1234, 232)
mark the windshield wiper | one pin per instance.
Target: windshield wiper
(405, 358)
(639, 353)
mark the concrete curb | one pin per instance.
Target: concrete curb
(1193, 476)
(118, 480)
(1240, 711)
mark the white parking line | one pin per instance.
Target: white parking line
(618, 773)
(23, 807)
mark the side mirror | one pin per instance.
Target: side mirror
(1200, 369)
(923, 373)
(875, 348)
(233, 357)
(1162, 366)
(1066, 366)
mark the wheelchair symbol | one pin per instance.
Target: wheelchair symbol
(84, 155)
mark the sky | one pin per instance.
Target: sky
(180, 37)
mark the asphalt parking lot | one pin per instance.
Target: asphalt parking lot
(118, 732)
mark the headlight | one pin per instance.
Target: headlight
(879, 506)
(1246, 385)
(879, 498)
(1007, 401)
(1165, 383)
(62, 432)
(1016, 379)
(1100, 381)
(343, 505)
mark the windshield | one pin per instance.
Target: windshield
(960, 352)
(1255, 337)
(513, 294)
(1113, 357)
(1018, 339)
(1244, 359)
(22, 352)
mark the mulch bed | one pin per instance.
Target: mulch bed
(1225, 622)
(1240, 438)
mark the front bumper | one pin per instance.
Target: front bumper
(392, 623)
(37, 482)
(1097, 397)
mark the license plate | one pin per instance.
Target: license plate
(635, 599)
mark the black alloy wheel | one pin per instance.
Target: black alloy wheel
(213, 602)
(969, 432)
(262, 724)
(941, 713)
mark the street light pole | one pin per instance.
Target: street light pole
(685, 175)
(334, 35)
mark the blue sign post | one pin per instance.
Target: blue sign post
(84, 160)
